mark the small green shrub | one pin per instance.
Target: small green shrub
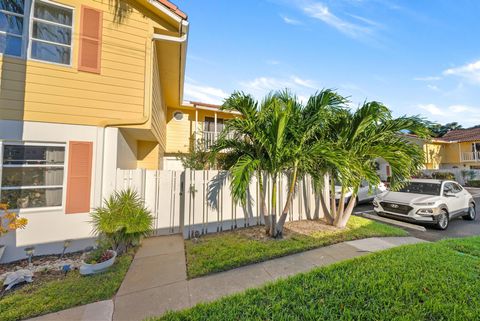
(123, 220)
(443, 175)
(474, 183)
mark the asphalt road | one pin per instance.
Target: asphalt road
(457, 228)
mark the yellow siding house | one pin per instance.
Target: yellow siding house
(86, 87)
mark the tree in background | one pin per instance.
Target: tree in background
(198, 157)
(439, 130)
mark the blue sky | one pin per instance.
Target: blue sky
(418, 56)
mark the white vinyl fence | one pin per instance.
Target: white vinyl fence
(461, 175)
(199, 202)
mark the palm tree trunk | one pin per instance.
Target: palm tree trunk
(341, 202)
(328, 216)
(342, 220)
(333, 205)
(274, 205)
(291, 189)
(318, 204)
(263, 204)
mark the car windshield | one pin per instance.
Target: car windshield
(422, 188)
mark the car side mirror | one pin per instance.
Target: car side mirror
(449, 194)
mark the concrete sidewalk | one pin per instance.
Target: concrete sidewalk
(157, 282)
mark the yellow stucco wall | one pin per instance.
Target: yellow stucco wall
(149, 155)
(451, 152)
(434, 154)
(180, 133)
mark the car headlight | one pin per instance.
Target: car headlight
(426, 211)
(425, 204)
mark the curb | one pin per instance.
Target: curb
(393, 222)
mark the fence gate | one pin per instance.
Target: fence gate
(163, 192)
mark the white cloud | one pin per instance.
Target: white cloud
(321, 12)
(304, 82)
(432, 109)
(469, 71)
(204, 94)
(433, 87)
(273, 62)
(266, 84)
(428, 78)
(463, 108)
(463, 114)
(291, 21)
(365, 20)
(261, 86)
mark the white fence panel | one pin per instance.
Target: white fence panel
(461, 175)
(133, 179)
(162, 194)
(200, 202)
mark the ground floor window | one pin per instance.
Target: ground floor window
(32, 175)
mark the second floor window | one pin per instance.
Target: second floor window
(46, 35)
(12, 21)
(51, 38)
(209, 125)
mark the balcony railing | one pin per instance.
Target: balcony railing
(209, 138)
(470, 156)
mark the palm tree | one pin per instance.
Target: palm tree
(240, 140)
(307, 148)
(276, 136)
(367, 134)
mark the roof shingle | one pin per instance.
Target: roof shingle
(174, 8)
(462, 135)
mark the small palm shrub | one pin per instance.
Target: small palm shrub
(123, 220)
(443, 175)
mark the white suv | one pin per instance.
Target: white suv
(427, 201)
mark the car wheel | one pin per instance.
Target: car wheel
(442, 220)
(472, 213)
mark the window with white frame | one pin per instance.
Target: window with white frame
(12, 27)
(51, 32)
(40, 27)
(32, 175)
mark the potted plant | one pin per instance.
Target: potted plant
(9, 222)
(98, 260)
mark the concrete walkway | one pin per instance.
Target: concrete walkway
(157, 281)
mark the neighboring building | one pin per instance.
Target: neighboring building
(194, 123)
(86, 87)
(456, 149)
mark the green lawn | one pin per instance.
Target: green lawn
(44, 297)
(227, 250)
(429, 281)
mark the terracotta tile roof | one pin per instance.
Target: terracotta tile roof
(174, 8)
(462, 135)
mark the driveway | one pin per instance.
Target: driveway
(457, 228)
